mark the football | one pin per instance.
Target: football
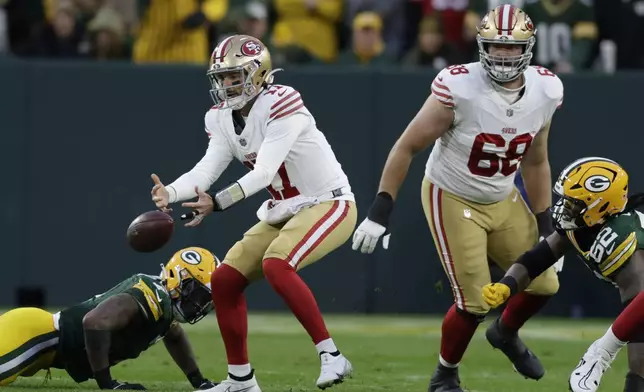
(150, 231)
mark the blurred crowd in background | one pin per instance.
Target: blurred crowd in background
(572, 35)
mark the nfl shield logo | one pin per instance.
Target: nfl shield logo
(242, 141)
(509, 112)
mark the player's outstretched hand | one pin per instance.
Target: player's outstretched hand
(367, 235)
(495, 294)
(126, 386)
(160, 195)
(201, 208)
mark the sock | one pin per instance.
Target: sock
(610, 343)
(520, 308)
(327, 346)
(239, 371)
(629, 323)
(228, 286)
(457, 331)
(297, 295)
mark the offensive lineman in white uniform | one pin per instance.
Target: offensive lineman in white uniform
(311, 213)
(485, 118)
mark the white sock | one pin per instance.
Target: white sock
(445, 363)
(326, 345)
(239, 370)
(610, 343)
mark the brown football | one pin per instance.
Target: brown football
(150, 231)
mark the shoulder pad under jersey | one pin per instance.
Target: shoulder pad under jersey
(278, 101)
(456, 83)
(615, 243)
(211, 118)
(550, 83)
(151, 295)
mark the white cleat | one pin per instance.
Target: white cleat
(333, 370)
(588, 374)
(230, 385)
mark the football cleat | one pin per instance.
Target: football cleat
(333, 370)
(592, 366)
(231, 385)
(523, 360)
(445, 379)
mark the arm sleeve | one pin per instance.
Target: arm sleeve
(280, 136)
(206, 171)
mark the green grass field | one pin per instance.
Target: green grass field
(388, 354)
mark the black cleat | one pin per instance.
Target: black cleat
(445, 379)
(524, 360)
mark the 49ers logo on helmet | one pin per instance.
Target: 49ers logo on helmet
(251, 48)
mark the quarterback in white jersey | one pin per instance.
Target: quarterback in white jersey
(484, 119)
(311, 211)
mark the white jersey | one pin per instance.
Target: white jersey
(478, 157)
(280, 143)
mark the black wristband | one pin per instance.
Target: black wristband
(544, 223)
(104, 378)
(195, 378)
(381, 208)
(511, 283)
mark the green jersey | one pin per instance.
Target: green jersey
(127, 343)
(607, 248)
(558, 25)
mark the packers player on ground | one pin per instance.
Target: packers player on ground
(595, 217)
(88, 338)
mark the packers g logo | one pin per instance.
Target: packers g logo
(597, 183)
(191, 257)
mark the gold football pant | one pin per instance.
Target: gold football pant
(28, 342)
(465, 233)
(304, 239)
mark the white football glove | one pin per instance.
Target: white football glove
(559, 264)
(367, 235)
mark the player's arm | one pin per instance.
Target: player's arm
(432, 120)
(114, 313)
(177, 344)
(281, 134)
(205, 172)
(530, 265)
(535, 169)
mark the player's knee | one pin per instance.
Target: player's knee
(273, 267)
(547, 285)
(226, 280)
(475, 314)
(478, 309)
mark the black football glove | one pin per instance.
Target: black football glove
(544, 223)
(199, 382)
(126, 386)
(206, 384)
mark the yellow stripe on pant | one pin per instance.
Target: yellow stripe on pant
(28, 343)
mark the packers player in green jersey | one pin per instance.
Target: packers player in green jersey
(594, 217)
(566, 32)
(88, 338)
